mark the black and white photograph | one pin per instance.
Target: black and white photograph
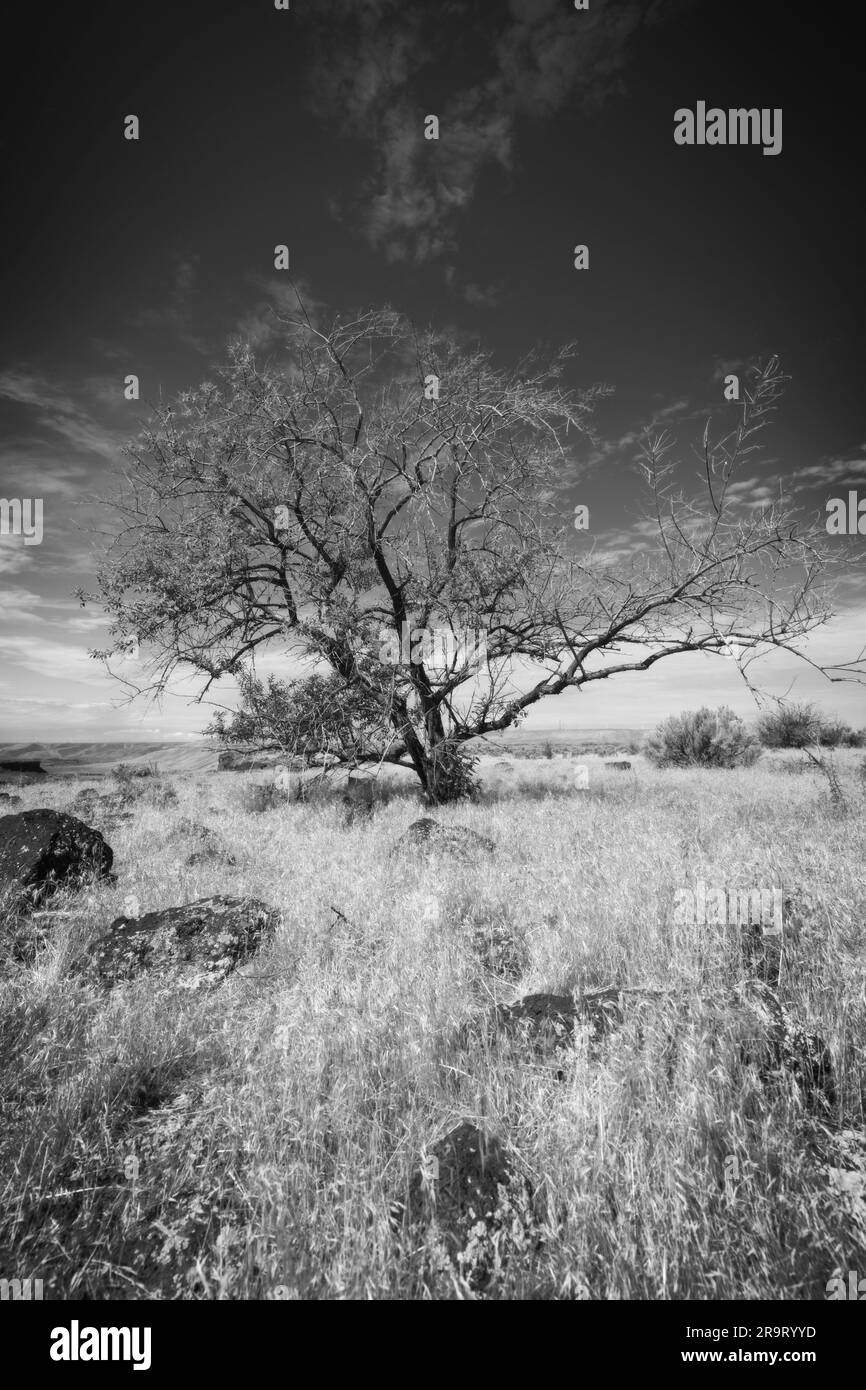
(432, 660)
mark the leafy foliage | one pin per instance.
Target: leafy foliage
(302, 718)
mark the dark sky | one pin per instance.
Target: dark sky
(261, 126)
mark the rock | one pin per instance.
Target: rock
(464, 1189)
(498, 950)
(547, 1021)
(767, 1035)
(430, 837)
(22, 773)
(773, 1041)
(209, 854)
(195, 945)
(91, 802)
(620, 764)
(40, 850)
(7, 799)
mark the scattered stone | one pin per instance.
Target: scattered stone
(43, 849)
(430, 837)
(195, 945)
(7, 799)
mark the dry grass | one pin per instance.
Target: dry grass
(273, 1123)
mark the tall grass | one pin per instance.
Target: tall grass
(251, 1143)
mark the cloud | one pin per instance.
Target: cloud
(540, 56)
(52, 660)
(58, 412)
(829, 473)
(176, 310)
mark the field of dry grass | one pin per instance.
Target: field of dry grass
(251, 1142)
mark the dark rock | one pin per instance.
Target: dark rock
(430, 837)
(195, 945)
(209, 854)
(42, 849)
(773, 1042)
(464, 1190)
(621, 765)
(23, 773)
(7, 799)
(547, 1021)
(499, 950)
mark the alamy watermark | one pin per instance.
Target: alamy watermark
(740, 126)
(854, 1290)
(735, 907)
(447, 648)
(22, 516)
(76, 1343)
(846, 519)
(20, 1290)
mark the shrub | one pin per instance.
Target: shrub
(789, 726)
(703, 738)
(801, 725)
(835, 733)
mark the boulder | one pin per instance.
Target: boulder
(210, 848)
(546, 1022)
(22, 773)
(428, 836)
(619, 764)
(778, 1046)
(194, 946)
(767, 1036)
(463, 1188)
(42, 850)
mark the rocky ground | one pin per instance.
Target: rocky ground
(255, 1045)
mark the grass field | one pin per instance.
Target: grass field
(250, 1143)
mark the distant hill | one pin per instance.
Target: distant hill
(99, 759)
(200, 756)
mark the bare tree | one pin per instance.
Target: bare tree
(375, 486)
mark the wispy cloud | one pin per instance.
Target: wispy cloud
(54, 410)
(540, 56)
(176, 311)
